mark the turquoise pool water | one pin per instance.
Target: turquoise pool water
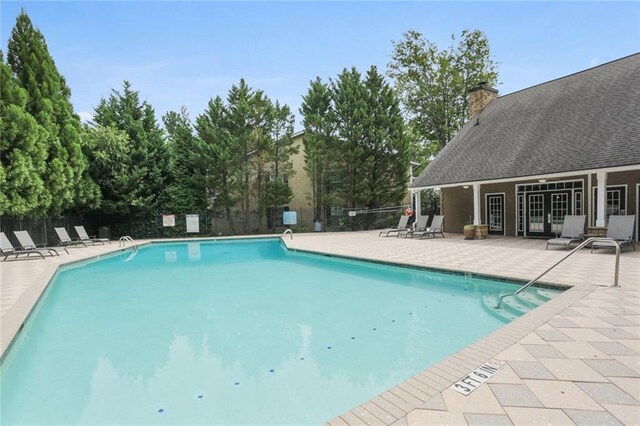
(237, 332)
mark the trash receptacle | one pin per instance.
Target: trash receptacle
(317, 225)
(104, 232)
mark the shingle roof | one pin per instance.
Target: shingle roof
(584, 121)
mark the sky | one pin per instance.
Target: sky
(184, 53)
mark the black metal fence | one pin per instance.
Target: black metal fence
(210, 224)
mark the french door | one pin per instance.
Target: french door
(495, 213)
(546, 212)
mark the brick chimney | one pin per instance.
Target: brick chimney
(479, 97)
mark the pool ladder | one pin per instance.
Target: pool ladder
(287, 231)
(126, 239)
(581, 245)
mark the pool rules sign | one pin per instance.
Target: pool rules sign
(193, 223)
(471, 381)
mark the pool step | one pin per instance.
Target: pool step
(512, 307)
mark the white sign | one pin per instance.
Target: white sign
(193, 223)
(352, 213)
(290, 218)
(471, 381)
(168, 220)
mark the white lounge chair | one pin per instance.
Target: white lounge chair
(82, 234)
(402, 226)
(572, 231)
(27, 243)
(65, 240)
(434, 229)
(620, 228)
(7, 249)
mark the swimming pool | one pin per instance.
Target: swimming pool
(233, 332)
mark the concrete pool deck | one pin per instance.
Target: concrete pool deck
(574, 360)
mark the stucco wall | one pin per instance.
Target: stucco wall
(299, 182)
(457, 207)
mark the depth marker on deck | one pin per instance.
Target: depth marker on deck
(471, 381)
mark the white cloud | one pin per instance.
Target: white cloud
(85, 117)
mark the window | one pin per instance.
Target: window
(616, 200)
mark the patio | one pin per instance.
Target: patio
(575, 359)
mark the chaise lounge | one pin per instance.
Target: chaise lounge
(620, 228)
(7, 249)
(433, 230)
(82, 234)
(402, 226)
(27, 243)
(572, 231)
(65, 240)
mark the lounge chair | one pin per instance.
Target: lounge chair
(421, 225)
(402, 226)
(7, 249)
(65, 240)
(82, 234)
(620, 229)
(433, 230)
(27, 243)
(572, 231)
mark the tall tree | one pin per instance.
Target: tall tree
(433, 83)
(109, 152)
(221, 156)
(49, 103)
(317, 111)
(187, 191)
(281, 148)
(148, 157)
(23, 152)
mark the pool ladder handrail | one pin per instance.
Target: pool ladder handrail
(581, 245)
(287, 231)
(126, 239)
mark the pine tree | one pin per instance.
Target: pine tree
(221, 158)
(148, 157)
(49, 103)
(318, 140)
(187, 191)
(23, 152)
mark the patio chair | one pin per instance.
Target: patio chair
(65, 240)
(82, 234)
(572, 231)
(421, 225)
(7, 249)
(620, 229)
(433, 230)
(26, 243)
(402, 226)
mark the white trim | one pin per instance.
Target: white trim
(504, 209)
(477, 220)
(601, 207)
(615, 185)
(587, 192)
(535, 177)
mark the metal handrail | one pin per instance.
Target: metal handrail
(126, 239)
(287, 231)
(581, 245)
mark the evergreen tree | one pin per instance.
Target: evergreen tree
(187, 191)
(221, 157)
(49, 103)
(434, 83)
(108, 150)
(281, 148)
(148, 156)
(23, 152)
(318, 121)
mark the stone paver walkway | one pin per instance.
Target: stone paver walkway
(574, 360)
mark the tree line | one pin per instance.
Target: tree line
(234, 158)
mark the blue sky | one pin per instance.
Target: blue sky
(184, 53)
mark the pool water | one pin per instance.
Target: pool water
(236, 332)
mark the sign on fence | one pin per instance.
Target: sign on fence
(290, 218)
(168, 220)
(193, 223)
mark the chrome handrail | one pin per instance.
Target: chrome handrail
(287, 231)
(126, 239)
(581, 245)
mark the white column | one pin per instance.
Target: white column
(476, 204)
(418, 204)
(587, 201)
(602, 199)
